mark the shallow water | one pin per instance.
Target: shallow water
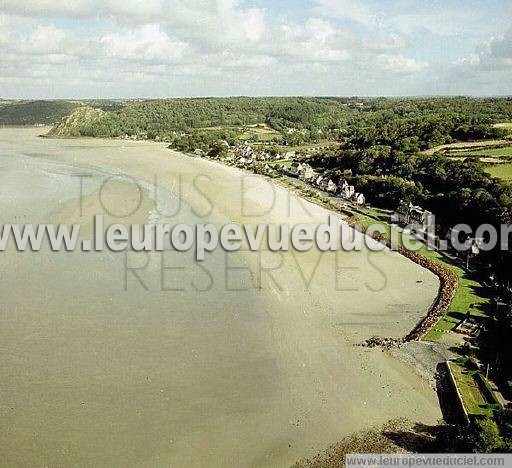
(245, 360)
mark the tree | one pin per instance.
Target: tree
(218, 149)
(483, 436)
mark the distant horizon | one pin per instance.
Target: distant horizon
(234, 96)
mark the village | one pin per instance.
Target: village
(287, 165)
(411, 219)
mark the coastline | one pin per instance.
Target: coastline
(329, 386)
(447, 279)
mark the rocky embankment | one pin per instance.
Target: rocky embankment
(447, 289)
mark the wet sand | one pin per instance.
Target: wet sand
(248, 359)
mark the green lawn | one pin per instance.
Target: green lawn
(505, 125)
(502, 171)
(261, 133)
(467, 298)
(473, 399)
(254, 133)
(505, 152)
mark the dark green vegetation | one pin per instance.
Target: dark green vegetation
(34, 112)
(198, 123)
(46, 112)
(403, 124)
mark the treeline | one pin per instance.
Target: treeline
(48, 112)
(162, 119)
(34, 112)
(404, 124)
(456, 191)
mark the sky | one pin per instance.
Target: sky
(180, 48)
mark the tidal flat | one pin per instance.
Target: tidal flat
(248, 359)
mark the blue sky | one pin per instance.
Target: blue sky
(167, 48)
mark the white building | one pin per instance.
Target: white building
(414, 216)
(359, 199)
(332, 187)
(347, 191)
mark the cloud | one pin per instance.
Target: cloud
(492, 55)
(501, 47)
(400, 64)
(145, 44)
(353, 10)
(194, 47)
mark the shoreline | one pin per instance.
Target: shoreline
(323, 386)
(448, 279)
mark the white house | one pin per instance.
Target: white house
(306, 172)
(347, 191)
(414, 216)
(332, 187)
(359, 199)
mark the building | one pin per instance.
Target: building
(331, 187)
(359, 199)
(306, 172)
(414, 216)
(293, 169)
(347, 191)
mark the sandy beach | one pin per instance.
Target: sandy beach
(249, 359)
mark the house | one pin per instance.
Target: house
(359, 199)
(402, 212)
(347, 191)
(331, 186)
(322, 182)
(293, 169)
(306, 172)
(414, 216)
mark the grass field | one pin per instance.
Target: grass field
(466, 146)
(502, 171)
(492, 153)
(254, 133)
(468, 297)
(261, 132)
(474, 401)
(505, 125)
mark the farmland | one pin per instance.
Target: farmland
(502, 171)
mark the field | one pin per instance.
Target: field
(493, 153)
(502, 171)
(261, 132)
(505, 152)
(258, 133)
(474, 400)
(466, 146)
(505, 125)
